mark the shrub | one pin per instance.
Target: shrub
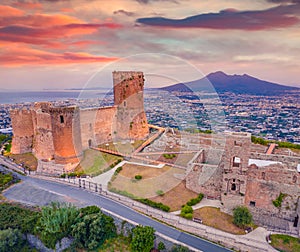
(179, 248)
(157, 205)
(56, 222)
(138, 177)
(195, 201)
(142, 239)
(11, 240)
(242, 216)
(160, 193)
(277, 202)
(15, 217)
(169, 156)
(93, 230)
(186, 212)
(89, 210)
(118, 170)
(161, 246)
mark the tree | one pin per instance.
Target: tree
(92, 230)
(56, 222)
(161, 246)
(11, 240)
(142, 239)
(242, 216)
(186, 212)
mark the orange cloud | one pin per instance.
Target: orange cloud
(18, 56)
(28, 5)
(8, 11)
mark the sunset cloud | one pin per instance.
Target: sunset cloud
(19, 56)
(277, 17)
(8, 11)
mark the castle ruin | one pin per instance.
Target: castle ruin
(57, 136)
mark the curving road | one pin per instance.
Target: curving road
(92, 199)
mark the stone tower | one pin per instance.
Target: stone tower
(130, 120)
(23, 131)
(66, 134)
(235, 166)
(43, 148)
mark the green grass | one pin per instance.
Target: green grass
(118, 244)
(96, 162)
(285, 243)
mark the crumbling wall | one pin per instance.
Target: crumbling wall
(130, 121)
(22, 125)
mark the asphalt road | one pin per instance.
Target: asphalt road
(88, 198)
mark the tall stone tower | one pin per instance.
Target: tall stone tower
(43, 148)
(66, 134)
(23, 131)
(130, 119)
(235, 166)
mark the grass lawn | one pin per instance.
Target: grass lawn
(95, 162)
(153, 180)
(28, 159)
(285, 243)
(118, 244)
(213, 217)
(176, 197)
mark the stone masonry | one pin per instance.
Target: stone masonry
(57, 136)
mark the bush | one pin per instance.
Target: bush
(56, 223)
(277, 202)
(117, 171)
(138, 177)
(89, 210)
(169, 156)
(195, 201)
(11, 240)
(142, 239)
(93, 230)
(242, 216)
(179, 248)
(16, 217)
(161, 246)
(151, 203)
(186, 212)
(160, 193)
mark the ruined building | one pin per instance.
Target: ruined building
(57, 136)
(242, 173)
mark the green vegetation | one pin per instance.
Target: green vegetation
(277, 202)
(179, 248)
(95, 162)
(3, 137)
(285, 243)
(118, 170)
(195, 201)
(161, 246)
(56, 223)
(11, 240)
(169, 156)
(7, 147)
(160, 193)
(138, 177)
(142, 239)
(5, 179)
(187, 212)
(92, 230)
(16, 217)
(157, 205)
(119, 243)
(195, 131)
(258, 140)
(242, 216)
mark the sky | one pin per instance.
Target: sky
(49, 44)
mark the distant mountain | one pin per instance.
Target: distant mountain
(240, 84)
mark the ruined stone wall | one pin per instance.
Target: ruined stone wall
(235, 164)
(266, 183)
(298, 216)
(43, 147)
(66, 134)
(97, 126)
(22, 125)
(130, 121)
